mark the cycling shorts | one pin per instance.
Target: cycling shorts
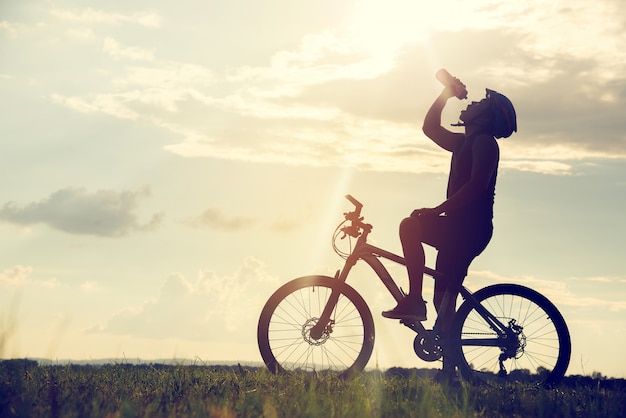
(458, 242)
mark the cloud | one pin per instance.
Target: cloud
(215, 219)
(76, 211)
(90, 16)
(89, 286)
(11, 29)
(355, 95)
(320, 115)
(20, 276)
(284, 224)
(582, 22)
(539, 166)
(152, 94)
(117, 51)
(213, 308)
(15, 276)
(562, 293)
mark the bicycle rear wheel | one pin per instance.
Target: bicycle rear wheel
(536, 350)
(284, 336)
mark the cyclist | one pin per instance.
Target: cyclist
(461, 227)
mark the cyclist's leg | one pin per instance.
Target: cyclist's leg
(454, 257)
(462, 243)
(414, 232)
(454, 271)
(447, 286)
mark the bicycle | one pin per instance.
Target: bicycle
(503, 333)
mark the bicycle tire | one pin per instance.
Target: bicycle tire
(542, 347)
(283, 330)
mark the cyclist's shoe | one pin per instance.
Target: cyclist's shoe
(409, 309)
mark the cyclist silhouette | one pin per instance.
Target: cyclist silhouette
(461, 227)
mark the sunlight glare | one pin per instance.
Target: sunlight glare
(337, 205)
(386, 26)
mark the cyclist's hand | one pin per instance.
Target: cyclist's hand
(425, 212)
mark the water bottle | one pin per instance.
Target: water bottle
(447, 80)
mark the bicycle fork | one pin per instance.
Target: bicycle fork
(324, 323)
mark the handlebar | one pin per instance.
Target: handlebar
(356, 224)
(352, 226)
(357, 206)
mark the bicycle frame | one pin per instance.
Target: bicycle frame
(371, 255)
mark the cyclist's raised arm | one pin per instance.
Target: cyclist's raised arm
(432, 123)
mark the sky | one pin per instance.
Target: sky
(167, 165)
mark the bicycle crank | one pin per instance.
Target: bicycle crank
(426, 347)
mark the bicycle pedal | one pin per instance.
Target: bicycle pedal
(409, 321)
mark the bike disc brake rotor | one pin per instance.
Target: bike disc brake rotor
(426, 348)
(306, 332)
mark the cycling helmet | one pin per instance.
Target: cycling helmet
(505, 121)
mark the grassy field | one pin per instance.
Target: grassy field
(121, 390)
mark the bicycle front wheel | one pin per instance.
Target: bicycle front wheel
(536, 348)
(284, 330)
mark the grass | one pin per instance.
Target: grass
(121, 390)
